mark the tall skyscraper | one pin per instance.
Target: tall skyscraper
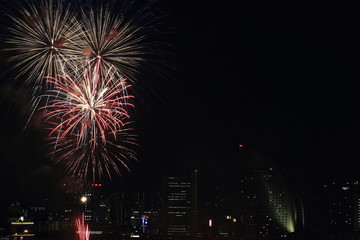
(180, 205)
(265, 204)
(262, 201)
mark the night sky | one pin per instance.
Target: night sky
(277, 77)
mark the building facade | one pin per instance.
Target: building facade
(180, 205)
(265, 207)
(341, 206)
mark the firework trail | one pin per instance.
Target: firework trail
(82, 228)
(42, 40)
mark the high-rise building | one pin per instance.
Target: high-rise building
(180, 205)
(266, 207)
(341, 206)
(262, 204)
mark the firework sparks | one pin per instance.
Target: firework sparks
(89, 106)
(80, 63)
(89, 117)
(105, 160)
(53, 37)
(42, 40)
(82, 228)
(120, 40)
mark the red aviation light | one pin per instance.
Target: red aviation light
(96, 184)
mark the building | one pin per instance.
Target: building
(261, 203)
(266, 207)
(136, 213)
(180, 205)
(341, 202)
(83, 198)
(22, 230)
(216, 219)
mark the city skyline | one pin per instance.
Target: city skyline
(258, 206)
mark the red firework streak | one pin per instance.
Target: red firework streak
(89, 121)
(82, 228)
(90, 107)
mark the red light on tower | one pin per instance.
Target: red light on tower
(96, 184)
(241, 146)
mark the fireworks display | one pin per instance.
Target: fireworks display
(50, 37)
(118, 42)
(82, 58)
(88, 107)
(88, 115)
(43, 40)
(85, 160)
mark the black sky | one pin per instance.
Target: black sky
(280, 77)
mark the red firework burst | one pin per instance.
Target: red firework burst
(88, 107)
(89, 119)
